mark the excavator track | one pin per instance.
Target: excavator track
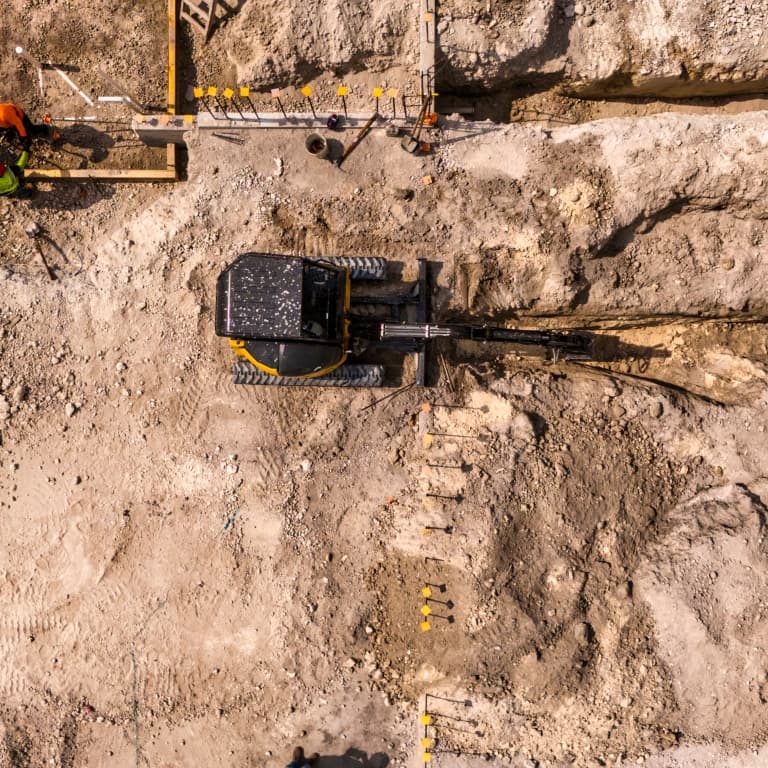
(357, 375)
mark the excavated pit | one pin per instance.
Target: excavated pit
(202, 574)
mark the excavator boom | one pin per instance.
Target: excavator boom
(563, 344)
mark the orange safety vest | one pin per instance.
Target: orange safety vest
(13, 117)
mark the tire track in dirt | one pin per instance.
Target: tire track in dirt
(189, 405)
(74, 544)
(167, 682)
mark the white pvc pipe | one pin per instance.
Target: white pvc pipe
(86, 98)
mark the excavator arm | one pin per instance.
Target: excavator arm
(565, 344)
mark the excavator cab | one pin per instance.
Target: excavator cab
(285, 316)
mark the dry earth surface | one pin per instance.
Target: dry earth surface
(198, 574)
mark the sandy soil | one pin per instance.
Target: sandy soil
(194, 573)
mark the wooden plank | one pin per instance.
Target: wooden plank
(170, 149)
(98, 174)
(172, 24)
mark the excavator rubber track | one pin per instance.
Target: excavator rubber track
(357, 375)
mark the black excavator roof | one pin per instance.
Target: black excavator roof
(259, 297)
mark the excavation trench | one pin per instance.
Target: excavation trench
(721, 360)
(555, 105)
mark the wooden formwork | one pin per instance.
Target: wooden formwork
(169, 173)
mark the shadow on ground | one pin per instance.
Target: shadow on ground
(353, 758)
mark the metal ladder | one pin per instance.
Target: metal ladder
(200, 14)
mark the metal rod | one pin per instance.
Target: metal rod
(253, 108)
(444, 528)
(204, 99)
(360, 136)
(447, 603)
(463, 702)
(483, 408)
(221, 107)
(468, 721)
(239, 111)
(387, 397)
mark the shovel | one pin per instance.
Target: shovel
(360, 136)
(32, 230)
(411, 143)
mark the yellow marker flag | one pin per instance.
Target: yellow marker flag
(427, 440)
(212, 90)
(245, 91)
(425, 610)
(425, 626)
(427, 757)
(198, 93)
(426, 742)
(426, 719)
(228, 93)
(426, 531)
(306, 91)
(342, 90)
(429, 17)
(392, 92)
(378, 92)
(426, 591)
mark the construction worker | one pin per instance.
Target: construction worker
(11, 177)
(14, 118)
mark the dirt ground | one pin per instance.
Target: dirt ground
(194, 573)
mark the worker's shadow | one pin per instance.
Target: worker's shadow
(70, 196)
(353, 758)
(230, 7)
(86, 143)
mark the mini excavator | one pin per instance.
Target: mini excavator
(295, 321)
